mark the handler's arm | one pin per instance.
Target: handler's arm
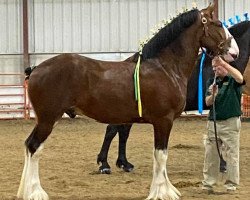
(235, 73)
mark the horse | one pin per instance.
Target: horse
(241, 33)
(246, 75)
(103, 89)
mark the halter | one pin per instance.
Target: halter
(205, 27)
(204, 22)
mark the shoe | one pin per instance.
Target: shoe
(223, 166)
(207, 188)
(230, 187)
(223, 169)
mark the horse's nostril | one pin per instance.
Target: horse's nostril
(234, 56)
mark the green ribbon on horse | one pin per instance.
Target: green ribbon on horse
(137, 85)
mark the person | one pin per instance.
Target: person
(225, 93)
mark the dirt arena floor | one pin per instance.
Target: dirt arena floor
(68, 168)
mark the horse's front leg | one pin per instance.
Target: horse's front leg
(161, 187)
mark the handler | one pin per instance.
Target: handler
(227, 94)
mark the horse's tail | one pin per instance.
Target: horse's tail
(28, 71)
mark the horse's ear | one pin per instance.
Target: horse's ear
(209, 10)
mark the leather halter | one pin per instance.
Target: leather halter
(204, 22)
(205, 28)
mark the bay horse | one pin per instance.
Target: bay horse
(102, 90)
(241, 33)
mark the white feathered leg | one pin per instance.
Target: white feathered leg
(161, 187)
(30, 187)
(21, 186)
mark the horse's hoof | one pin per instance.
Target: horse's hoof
(126, 166)
(128, 169)
(39, 194)
(71, 113)
(105, 171)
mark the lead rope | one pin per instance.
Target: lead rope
(214, 116)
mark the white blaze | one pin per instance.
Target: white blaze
(233, 50)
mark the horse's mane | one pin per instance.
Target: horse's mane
(239, 29)
(169, 33)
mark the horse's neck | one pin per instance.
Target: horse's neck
(246, 88)
(181, 55)
(246, 41)
(247, 72)
(244, 47)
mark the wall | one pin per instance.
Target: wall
(101, 29)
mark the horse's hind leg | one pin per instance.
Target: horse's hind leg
(30, 187)
(122, 161)
(161, 187)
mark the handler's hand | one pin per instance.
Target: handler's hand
(217, 61)
(213, 89)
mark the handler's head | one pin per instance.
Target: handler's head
(220, 71)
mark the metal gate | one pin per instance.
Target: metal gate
(245, 106)
(13, 99)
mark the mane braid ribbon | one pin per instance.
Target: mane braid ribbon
(137, 85)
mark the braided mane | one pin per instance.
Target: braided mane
(168, 34)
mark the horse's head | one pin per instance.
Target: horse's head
(241, 33)
(216, 38)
